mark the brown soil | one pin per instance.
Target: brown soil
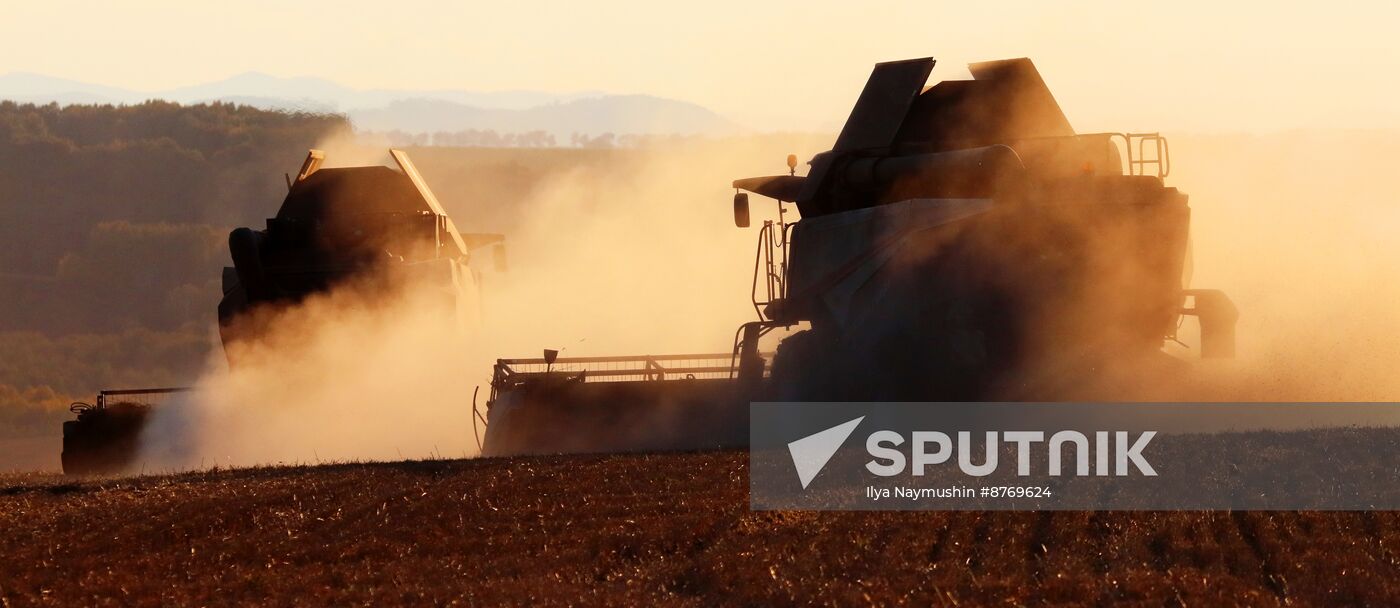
(637, 530)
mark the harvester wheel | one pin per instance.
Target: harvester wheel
(801, 368)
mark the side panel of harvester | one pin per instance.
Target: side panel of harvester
(835, 258)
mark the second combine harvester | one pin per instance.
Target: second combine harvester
(959, 242)
(368, 228)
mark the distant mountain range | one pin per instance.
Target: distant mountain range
(588, 112)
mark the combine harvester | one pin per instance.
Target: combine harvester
(371, 225)
(959, 242)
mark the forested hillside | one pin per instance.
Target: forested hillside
(112, 220)
(113, 227)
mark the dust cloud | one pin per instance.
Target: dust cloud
(635, 255)
(349, 375)
(1300, 229)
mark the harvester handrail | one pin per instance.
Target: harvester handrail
(637, 368)
(1137, 165)
(146, 391)
(102, 395)
(614, 359)
(773, 266)
(665, 371)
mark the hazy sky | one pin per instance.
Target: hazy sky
(1114, 64)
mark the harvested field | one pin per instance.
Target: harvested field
(643, 529)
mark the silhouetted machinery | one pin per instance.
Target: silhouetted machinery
(105, 436)
(339, 224)
(372, 226)
(956, 243)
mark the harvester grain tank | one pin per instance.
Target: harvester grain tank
(349, 223)
(954, 241)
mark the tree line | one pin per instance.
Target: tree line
(113, 221)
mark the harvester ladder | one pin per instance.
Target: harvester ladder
(770, 262)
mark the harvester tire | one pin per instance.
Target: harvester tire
(801, 368)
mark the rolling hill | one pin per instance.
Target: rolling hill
(413, 111)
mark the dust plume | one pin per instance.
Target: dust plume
(636, 254)
(354, 374)
(1298, 229)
